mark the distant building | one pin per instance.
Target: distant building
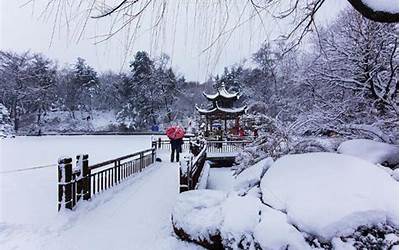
(221, 109)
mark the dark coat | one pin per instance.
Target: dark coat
(177, 144)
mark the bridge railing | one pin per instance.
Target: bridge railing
(191, 169)
(166, 144)
(84, 181)
(226, 146)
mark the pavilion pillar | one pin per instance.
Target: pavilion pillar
(226, 129)
(237, 125)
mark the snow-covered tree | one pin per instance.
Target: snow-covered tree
(6, 127)
(78, 86)
(352, 80)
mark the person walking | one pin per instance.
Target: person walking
(176, 149)
(175, 134)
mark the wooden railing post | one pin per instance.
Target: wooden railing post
(153, 155)
(141, 161)
(115, 172)
(190, 167)
(87, 191)
(65, 183)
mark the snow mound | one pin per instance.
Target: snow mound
(394, 173)
(274, 232)
(391, 6)
(330, 195)
(216, 220)
(372, 151)
(199, 213)
(241, 215)
(251, 176)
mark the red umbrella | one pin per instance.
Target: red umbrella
(175, 132)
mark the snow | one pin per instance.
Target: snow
(372, 151)
(45, 150)
(226, 110)
(62, 121)
(30, 196)
(395, 174)
(221, 92)
(274, 232)
(329, 195)
(391, 6)
(252, 175)
(202, 184)
(199, 212)
(241, 215)
(338, 244)
(220, 154)
(135, 214)
(203, 214)
(220, 179)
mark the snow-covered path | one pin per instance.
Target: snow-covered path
(134, 215)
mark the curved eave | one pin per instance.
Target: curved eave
(205, 111)
(218, 95)
(219, 110)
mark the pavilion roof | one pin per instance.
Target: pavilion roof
(216, 111)
(221, 92)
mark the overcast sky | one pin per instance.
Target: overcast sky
(183, 34)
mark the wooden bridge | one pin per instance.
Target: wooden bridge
(84, 181)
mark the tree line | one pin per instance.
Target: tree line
(32, 85)
(345, 82)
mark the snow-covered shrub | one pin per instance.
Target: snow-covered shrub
(331, 195)
(382, 237)
(251, 176)
(6, 128)
(372, 151)
(273, 141)
(311, 144)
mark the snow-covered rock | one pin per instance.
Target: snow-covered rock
(251, 176)
(274, 232)
(391, 6)
(241, 215)
(330, 195)
(197, 216)
(394, 173)
(372, 151)
(215, 219)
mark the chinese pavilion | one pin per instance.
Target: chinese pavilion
(221, 108)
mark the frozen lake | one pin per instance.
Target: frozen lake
(30, 196)
(25, 152)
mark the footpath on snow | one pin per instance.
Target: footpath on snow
(133, 215)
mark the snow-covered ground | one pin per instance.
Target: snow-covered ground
(220, 179)
(132, 215)
(30, 196)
